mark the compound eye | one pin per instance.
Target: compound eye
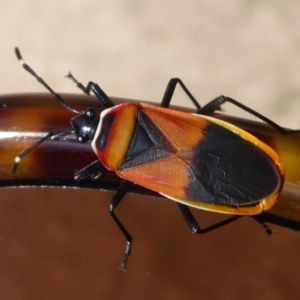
(82, 139)
(90, 113)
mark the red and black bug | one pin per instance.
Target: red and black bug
(193, 159)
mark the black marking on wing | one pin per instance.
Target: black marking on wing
(224, 169)
(227, 170)
(147, 144)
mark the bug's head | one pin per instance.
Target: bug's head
(85, 125)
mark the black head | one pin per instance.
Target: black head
(85, 125)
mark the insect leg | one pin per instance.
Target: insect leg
(216, 104)
(25, 152)
(260, 219)
(193, 225)
(168, 95)
(281, 221)
(189, 218)
(94, 170)
(95, 88)
(112, 206)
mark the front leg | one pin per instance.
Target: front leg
(95, 88)
(115, 201)
(94, 170)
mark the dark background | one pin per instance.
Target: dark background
(62, 244)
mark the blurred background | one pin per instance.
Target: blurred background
(248, 50)
(62, 244)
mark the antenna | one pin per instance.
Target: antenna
(43, 83)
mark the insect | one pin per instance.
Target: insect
(191, 158)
